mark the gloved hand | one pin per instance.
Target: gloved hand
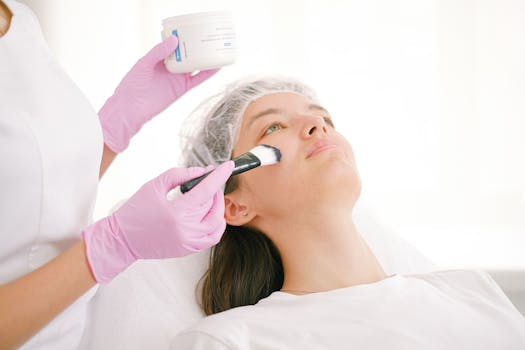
(148, 226)
(146, 90)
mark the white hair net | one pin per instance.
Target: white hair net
(209, 134)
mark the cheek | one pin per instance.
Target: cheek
(265, 185)
(266, 181)
(279, 174)
(348, 148)
(285, 142)
(269, 187)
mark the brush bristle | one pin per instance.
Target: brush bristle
(266, 154)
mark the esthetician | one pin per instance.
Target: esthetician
(53, 149)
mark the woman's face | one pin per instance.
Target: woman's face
(317, 167)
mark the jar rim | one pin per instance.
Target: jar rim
(209, 15)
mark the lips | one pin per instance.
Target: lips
(320, 146)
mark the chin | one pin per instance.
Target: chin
(338, 181)
(338, 165)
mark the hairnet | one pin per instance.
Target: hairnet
(209, 134)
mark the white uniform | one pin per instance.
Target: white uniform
(453, 310)
(50, 151)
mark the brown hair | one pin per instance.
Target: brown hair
(244, 267)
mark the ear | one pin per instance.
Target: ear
(235, 213)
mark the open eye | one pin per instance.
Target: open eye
(329, 121)
(272, 128)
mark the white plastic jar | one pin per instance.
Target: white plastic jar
(206, 40)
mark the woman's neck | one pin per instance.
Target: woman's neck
(5, 18)
(326, 253)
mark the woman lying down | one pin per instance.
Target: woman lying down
(292, 270)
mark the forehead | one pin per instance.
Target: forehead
(287, 101)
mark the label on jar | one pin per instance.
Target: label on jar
(177, 50)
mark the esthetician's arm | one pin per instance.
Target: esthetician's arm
(147, 226)
(107, 158)
(144, 92)
(30, 302)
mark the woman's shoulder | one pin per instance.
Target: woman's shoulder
(236, 322)
(453, 275)
(218, 331)
(467, 282)
(231, 318)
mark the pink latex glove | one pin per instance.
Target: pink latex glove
(146, 90)
(148, 226)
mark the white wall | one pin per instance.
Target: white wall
(429, 92)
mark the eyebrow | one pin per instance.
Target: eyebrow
(280, 111)
(263, 113)
(319, 108)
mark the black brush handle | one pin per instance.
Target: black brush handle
(242, 163)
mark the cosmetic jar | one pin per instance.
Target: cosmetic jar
(206, 40)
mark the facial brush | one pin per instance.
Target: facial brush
(258, 156)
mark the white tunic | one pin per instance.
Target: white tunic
(453, 310)
(50, 151)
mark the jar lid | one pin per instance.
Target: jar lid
(198, 17)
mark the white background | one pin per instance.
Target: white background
(431, 95)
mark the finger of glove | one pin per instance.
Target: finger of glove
(194, 80)
(210, 231)
(212, 237)
(190, 248)
(162, 50)
(216, 211)
(216, 233)
(209, 240)
(177, 176)
(206, 189)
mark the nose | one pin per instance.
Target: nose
(314, 126)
